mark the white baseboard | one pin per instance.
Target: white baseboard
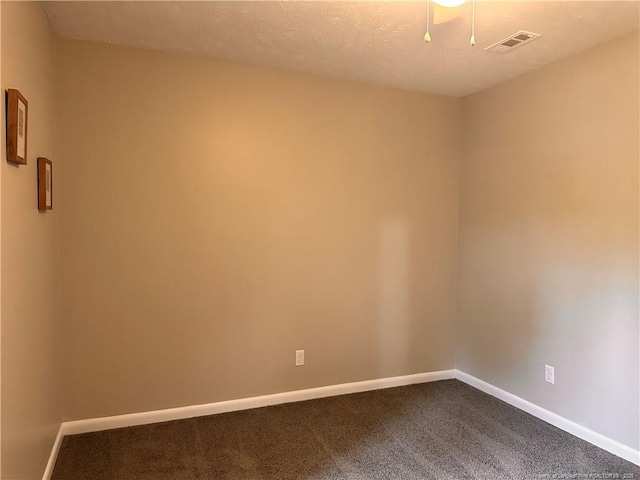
(562, 423)
(143, 418)
(54, 454)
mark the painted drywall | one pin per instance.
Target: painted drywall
(31, 410)
(548, 245)
(216, 217)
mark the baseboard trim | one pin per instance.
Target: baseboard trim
(53, 456)
(597, 439)
(143, 418)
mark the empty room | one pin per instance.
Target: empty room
(320, 240)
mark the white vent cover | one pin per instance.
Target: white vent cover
(512, 42)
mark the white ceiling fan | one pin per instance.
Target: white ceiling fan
(452, 4)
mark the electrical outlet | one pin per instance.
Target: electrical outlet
(549, 374)
(299, 358)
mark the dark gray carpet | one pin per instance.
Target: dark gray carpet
(440, 430)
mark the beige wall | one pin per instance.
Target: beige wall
(217, 217)
(548, 249)
(31, 411)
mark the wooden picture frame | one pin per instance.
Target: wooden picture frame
(17, 127)
(45, 184)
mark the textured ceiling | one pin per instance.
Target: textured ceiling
(376, 42)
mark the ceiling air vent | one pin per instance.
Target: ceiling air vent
(512, 42)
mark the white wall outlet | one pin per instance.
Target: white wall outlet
(299, 358)
(549, 375)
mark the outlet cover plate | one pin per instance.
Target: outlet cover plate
(549, 374)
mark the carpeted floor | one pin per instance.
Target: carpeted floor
(439, 430)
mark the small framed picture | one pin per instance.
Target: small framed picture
(45, 184)
(17, 123)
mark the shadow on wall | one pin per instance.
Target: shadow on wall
(496, 305)
(393, 302)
